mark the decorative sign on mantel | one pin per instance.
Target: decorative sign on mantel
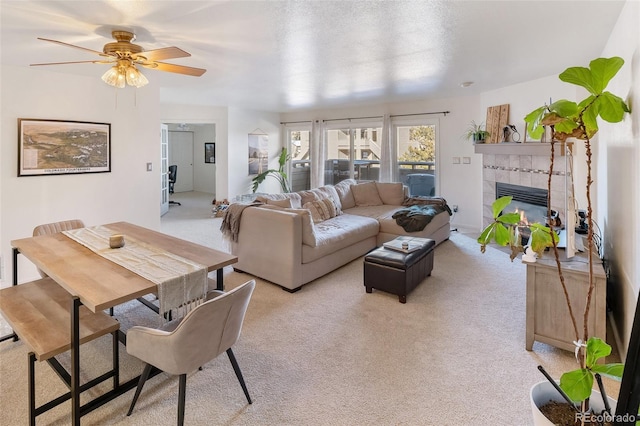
(497, 119)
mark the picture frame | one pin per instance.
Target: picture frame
(258, 152)
(59, 147)
(209, 152)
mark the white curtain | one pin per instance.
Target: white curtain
(318, 154)
(386, 151)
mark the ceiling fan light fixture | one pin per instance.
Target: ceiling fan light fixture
(114, 77)
(124, 73)
(135, 78)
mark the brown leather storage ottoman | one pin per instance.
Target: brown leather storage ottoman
(397, 272)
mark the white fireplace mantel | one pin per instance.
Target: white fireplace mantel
(524, 148)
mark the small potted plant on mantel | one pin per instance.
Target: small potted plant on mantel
(568, 119)
(476, 132)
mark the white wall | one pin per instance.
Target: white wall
(619, 173)
(459, 183)
(241, 123)
(129, 193)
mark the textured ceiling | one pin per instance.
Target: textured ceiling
(291, 55)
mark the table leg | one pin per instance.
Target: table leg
(219, 278)
(15, 266)
(75, 361)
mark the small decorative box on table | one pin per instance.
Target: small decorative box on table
(398, 269)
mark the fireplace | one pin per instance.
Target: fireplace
(530, 202)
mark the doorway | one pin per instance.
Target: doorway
(181, 154)
(186, 149)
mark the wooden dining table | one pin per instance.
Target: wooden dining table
(100, 284)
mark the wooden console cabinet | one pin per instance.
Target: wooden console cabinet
(548, 319)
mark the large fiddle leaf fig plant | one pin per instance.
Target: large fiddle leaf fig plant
(578, 120)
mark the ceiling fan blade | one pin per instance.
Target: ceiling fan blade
(73, 62)
(180, 69)
(164, 53)
(74, 46)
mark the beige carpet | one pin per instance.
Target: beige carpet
(332, 354)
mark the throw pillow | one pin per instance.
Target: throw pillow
(308, 196)
(329, 191)
(343, 188)
(321, 209)
(366, 194)
(391, 193)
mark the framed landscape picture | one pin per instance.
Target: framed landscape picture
(57, 147)
(209, 152)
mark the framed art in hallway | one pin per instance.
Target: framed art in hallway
(209, 152)
(58, 147)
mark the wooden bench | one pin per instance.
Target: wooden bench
(40, 314)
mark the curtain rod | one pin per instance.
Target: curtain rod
(296, 122)
(351, 118)
(393, 115)
(421, 113)
(365, 118)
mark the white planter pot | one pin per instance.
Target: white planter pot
(544, 391)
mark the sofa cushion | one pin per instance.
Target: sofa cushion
(366, 194)
(296, 201)
(337, 233)
(391, 193)
(322, 210)
(343, 188)
(375, 212)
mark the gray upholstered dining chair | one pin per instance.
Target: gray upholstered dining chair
(184, 345)
(55, 227)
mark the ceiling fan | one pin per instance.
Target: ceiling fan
(125, 56)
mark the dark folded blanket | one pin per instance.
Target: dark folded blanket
(416, 217)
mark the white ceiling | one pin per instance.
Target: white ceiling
(291, 55)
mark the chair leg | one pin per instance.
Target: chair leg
(143, 378)
(181, 397)
(236, 368)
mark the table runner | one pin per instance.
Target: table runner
(182, 284)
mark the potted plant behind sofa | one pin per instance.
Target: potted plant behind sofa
(568, 119)
(279, 174)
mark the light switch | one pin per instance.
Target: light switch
(456, 160)
(149, 167)
(466, 160)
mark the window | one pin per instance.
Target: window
(353, 151)
(416, 145)
(298, 138)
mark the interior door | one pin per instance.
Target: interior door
(164, 168)
(181, 154)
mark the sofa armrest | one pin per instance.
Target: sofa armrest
(270, 245)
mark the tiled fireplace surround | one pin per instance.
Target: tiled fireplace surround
(525, 164)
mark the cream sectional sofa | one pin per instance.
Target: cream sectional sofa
(294, 238)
